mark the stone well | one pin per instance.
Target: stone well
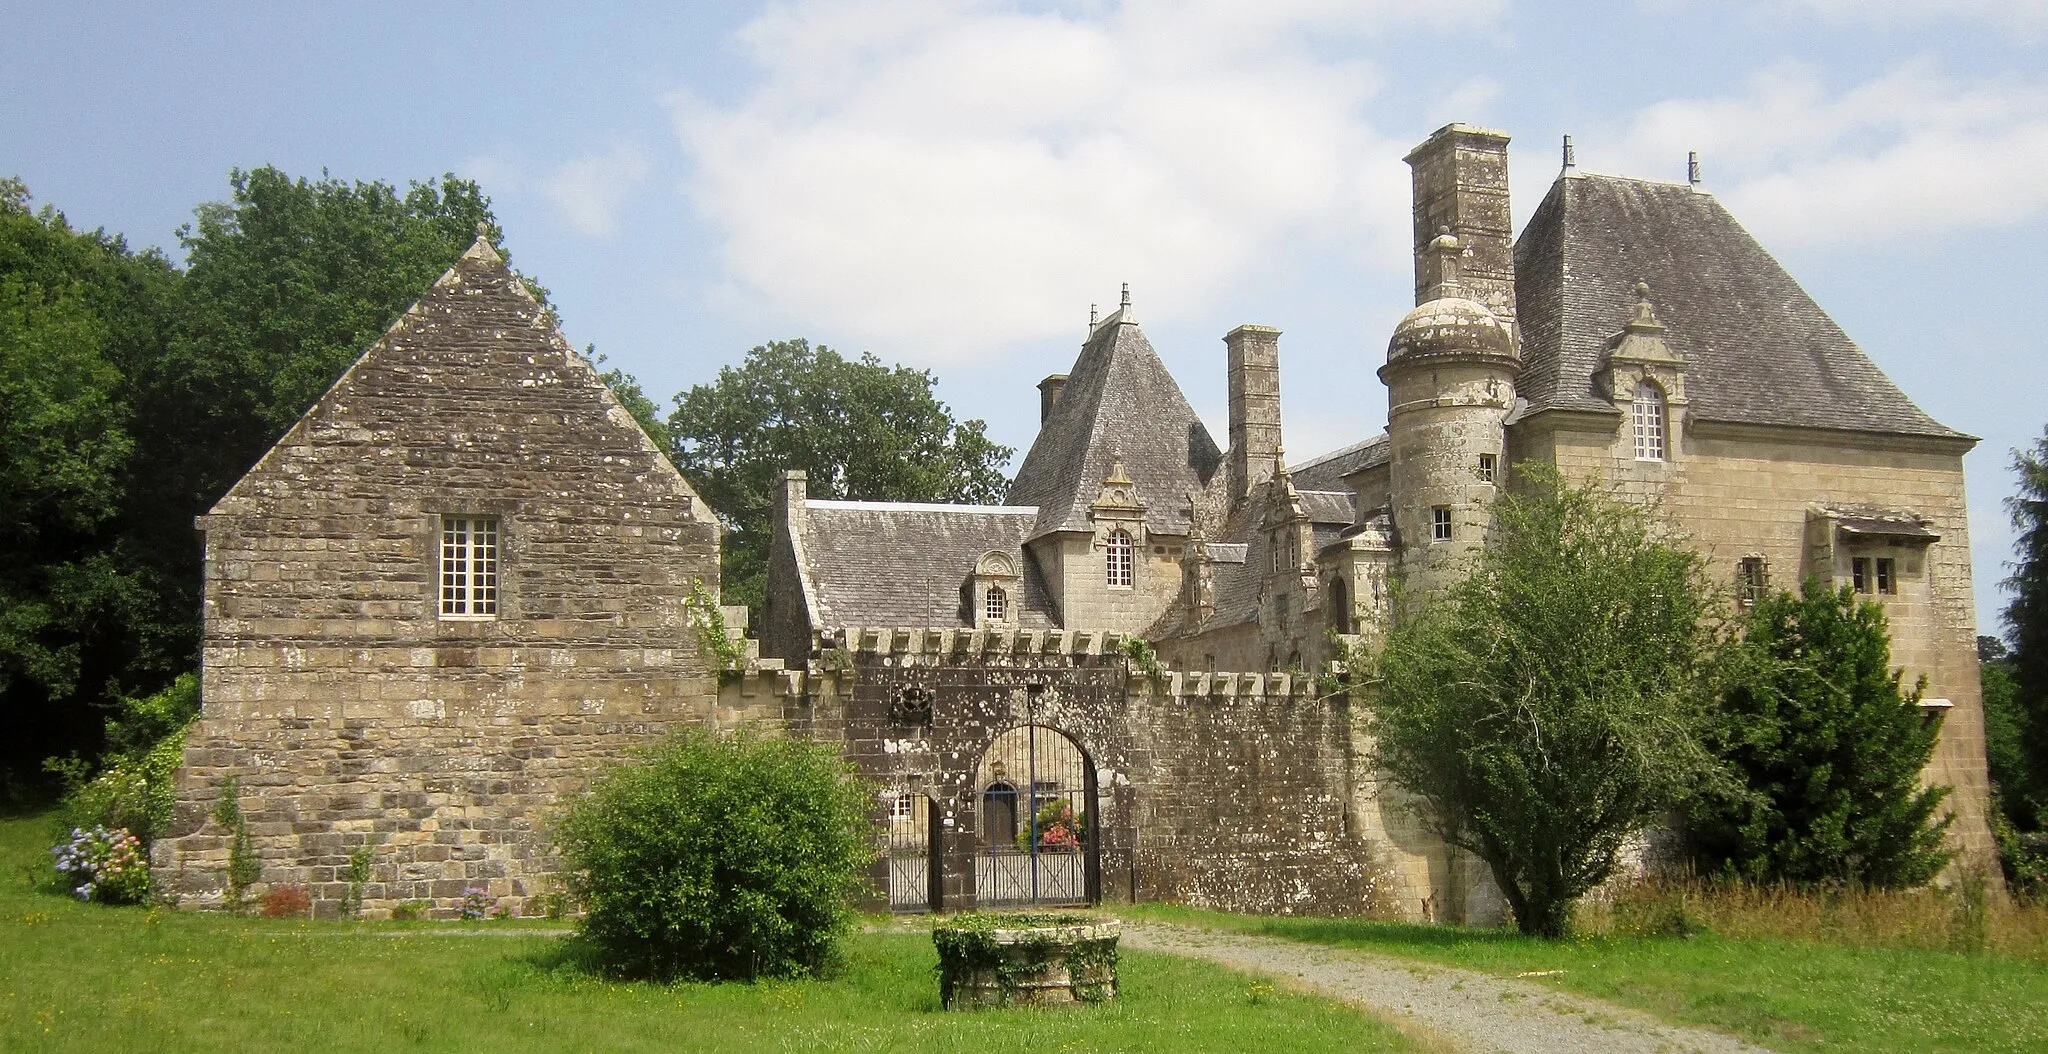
(1026, 960)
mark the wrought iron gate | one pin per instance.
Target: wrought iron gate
(912, 864)
(1037, 821)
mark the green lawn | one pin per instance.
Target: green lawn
(1790, 995)
(86, 978)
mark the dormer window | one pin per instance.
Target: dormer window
(988, 601)
(996, 605)
(1650, 418)
(1117, 559)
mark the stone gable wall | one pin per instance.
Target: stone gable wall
(349, 712)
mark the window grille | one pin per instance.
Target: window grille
(1440, 523)
(1649, 417)
(997, 605)
(1119, 554)
(1752, 580)
(1487, 466)
(469, 566)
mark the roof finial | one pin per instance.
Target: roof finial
(1091, 315)
(1692, 167)
(483, 229)
(1646, 316)
(1571, 157)
(1126, 305)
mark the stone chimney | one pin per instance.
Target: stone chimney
(1461, 183)
(1254, 365)
(1049, 391)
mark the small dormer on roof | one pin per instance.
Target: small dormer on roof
(1118, 499)
(1640, 353)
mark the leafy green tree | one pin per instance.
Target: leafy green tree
(1829, 751)
(2026, 618)
(81, 616)
(1550, 706)
(863, 431)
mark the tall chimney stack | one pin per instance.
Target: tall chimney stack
(1254, 365)
(1049, 391)
(1461, 182)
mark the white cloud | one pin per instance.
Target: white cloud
(589, 191)
(2023, 15)
(950, 178)
(1910, 151)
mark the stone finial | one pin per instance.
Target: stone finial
(1571, 157)
(1449, 253)
(1646, 316)
(1692, 167)
(1117, 473)
(1092, 317)
(1126, 303)
(483, 229)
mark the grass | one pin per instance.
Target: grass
(1842, 994)
(89, 978)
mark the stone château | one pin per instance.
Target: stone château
(465, 578)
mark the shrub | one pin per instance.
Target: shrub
(134, 787)
(713, 858)
(105, 865)
(285, 902)
(1830, 751)
(477, 903)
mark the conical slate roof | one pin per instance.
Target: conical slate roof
(1758, 350)
(1119, 402)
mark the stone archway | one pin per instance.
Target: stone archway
(1038, 842)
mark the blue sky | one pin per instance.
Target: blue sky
(952, 184)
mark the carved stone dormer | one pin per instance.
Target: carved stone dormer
(1290, 535)
(1639, 353)
(995, 592)
(1118, 501)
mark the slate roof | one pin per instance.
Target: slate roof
(899, 564)
(1328, 506)
(1759, 349)
(1328, 471)
(1119, 401)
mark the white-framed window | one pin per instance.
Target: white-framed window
(1650, 422)
(469, 567)
(1117, 556)
(1488, 467)
(996, 605)
(1440, 523)
(904, 807)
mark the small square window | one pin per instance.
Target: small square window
(1440, 523)
(1887, 576)
(1860, 574)
(1487, 467)
(904, 807)
(469, 567)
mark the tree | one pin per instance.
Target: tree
(1829, 751)
(1549, 707)
(2026, 620)
(80, 617)
(862, 430)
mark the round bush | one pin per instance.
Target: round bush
(719, 858)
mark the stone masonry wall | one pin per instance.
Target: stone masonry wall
(349, 711)
(1742, 490)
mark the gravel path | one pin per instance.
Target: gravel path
(1477, 1011)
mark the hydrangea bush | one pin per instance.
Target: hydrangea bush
(104, 865)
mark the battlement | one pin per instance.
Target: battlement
(907, 640)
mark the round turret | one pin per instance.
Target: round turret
(1450, 327)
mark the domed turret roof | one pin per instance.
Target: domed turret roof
(1449, 325)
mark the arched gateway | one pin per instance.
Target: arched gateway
(1036, 817)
